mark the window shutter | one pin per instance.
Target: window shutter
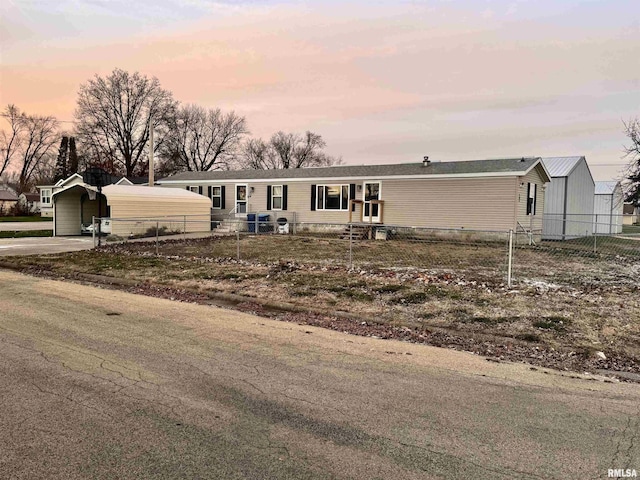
(210, 191)
(352, 195)
(200, 189)
(222, 195)
(188, 188)
(535, 197)
(284, 197)
(528, 199)
(268, 197)
(313, 198)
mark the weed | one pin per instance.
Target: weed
(558, 324)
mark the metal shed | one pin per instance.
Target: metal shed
(569, 199)
(131, 209)
(607, 208)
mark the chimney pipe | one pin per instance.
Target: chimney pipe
(425, 161)
(151, 165)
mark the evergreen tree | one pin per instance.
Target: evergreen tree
(73, 156)
(62, 170)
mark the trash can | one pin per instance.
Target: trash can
(263, 223)
(251, 222)
(283, 225)
(381, 233)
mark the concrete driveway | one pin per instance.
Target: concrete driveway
(25, 226)
(43, 245)
(98, 383)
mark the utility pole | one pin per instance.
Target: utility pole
(151, 165)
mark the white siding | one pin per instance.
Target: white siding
(67, 213)
(607, 210)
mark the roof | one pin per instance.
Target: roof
(32, 197)
(504, 166)
(8, 196)
(561, 166)
(153, 193)
(605, 188)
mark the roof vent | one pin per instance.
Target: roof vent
(425, 161)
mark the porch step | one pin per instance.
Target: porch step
(357, 232)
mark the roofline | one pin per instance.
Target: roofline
(541, 163)
(86, 186)
(358, 177)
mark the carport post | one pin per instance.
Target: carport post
(510, 263)
(93, 230)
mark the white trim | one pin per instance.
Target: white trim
(324, 197)
(345, 179)
(540, 162)
(366, 217)
(281, 197)
(216, 196)
(246, 199)
(123, 180)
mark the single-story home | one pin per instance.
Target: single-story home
(631, 213)
(608, 208)
(8, 201)
(29, 202)
(498, 195)
(568, 199)
(130, 209)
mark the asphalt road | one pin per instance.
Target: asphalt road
(43, 245)
(103, 384)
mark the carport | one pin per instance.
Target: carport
(133, 209)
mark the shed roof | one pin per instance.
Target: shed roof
(8, 196)
(150, 193)
(605, 188)
(561, 166)
(503, 166)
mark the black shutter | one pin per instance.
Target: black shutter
(284, 197)
(535, 197)
(210, 191)
(268, 197)
(188, 188)
(313, 198)
(222, 195)
(200, 189)
(528, 199)
(352, 195)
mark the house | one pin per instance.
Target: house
(131, 209)
(47, 191)
(631, 214)
(499, 195)
(8, 201)
(608, 208)
(569, 199)
(29, 202)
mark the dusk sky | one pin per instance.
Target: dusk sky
(381, 81)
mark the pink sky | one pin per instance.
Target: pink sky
(383, 82)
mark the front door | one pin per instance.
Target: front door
(371, 191)
(241, 199)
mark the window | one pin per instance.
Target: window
(276, 197)
(532, 190)
(332, 197)
(216, 197)
(45, 196)
(194, 189)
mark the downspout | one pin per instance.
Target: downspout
(55, 217)
(564, 210)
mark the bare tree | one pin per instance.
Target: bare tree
(632, 152)
(10, 142)
(287, 150)
(203, 139)
(114, 114)
(40, 136)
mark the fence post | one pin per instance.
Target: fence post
(595, 246)
(93, 230)
(350, 245)
(510, 263)
(238, 241)
(157, 235)
(184, 227)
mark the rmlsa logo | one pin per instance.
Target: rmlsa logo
(622, 473)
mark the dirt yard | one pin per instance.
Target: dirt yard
(568, 308)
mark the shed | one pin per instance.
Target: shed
(569, 198)
(133, 209)
(608, 208)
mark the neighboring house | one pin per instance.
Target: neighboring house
(131, 208)
(499, 195)
(631, 214)
(608, 208)
(569, 198)
(8, 201)
(47, 191)
(29, 202)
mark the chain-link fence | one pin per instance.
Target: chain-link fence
(484, 256)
